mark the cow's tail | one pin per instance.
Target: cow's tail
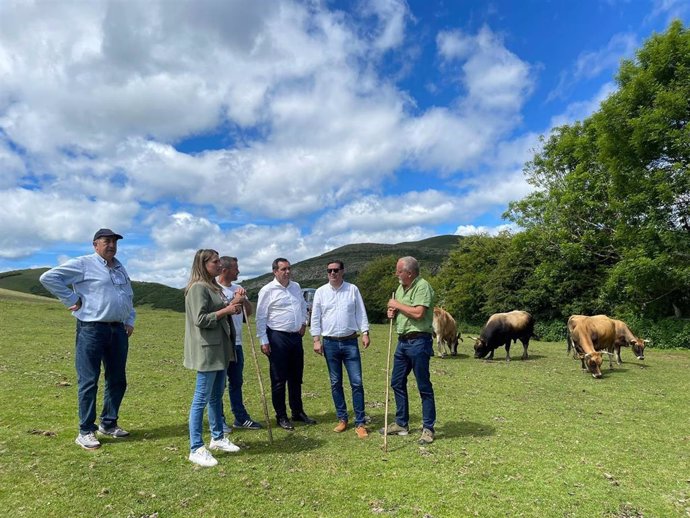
(570, 344)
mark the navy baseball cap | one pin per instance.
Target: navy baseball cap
(106, 232)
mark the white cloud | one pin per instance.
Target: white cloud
(591, 64)
(30, 219)
(471, 230)
(580, 110)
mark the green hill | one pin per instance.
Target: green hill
(150, 294)
(310, 273)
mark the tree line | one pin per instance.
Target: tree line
(607, 226)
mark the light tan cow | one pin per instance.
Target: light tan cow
(625, 338)
(588, 336)
(445, 332)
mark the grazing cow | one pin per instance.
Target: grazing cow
(446, 332)
(625, 338)
(500, 329)
(588, 336)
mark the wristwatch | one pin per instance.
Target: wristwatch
(365, 333)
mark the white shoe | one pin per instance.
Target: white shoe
(88, 441)
(202, 457)
(223, 444)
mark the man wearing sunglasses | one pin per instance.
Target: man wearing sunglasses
(337, 314)
(98, 292)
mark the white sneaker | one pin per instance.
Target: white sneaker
(223, 444)
(202, 457)
(88, 441)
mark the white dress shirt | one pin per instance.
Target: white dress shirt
(280, 308)
(338, 312)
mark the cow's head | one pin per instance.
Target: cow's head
(637, 345)
(481, 348)
(593, 363)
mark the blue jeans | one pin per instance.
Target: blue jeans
(235, 381)
(413, 355)
(339, 353)
(208, 392)
(98, 342)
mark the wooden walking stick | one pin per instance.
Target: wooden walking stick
(388, 369)
(258, 375)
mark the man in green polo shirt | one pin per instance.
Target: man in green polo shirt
(413, 310)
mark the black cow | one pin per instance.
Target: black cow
(500, 329)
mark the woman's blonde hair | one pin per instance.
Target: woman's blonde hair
(199, 272)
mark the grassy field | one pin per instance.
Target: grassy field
(530, 438)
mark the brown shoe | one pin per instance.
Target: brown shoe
(362, 432)
(342, 426)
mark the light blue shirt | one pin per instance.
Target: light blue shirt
(105, 293)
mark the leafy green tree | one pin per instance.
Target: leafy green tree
(376, 282)
(644, 142)
(610, 219)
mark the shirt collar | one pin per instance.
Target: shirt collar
(116, 263)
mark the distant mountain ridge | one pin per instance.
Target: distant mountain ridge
(309, 273)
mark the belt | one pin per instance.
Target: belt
(290, 333)
(411, 336)
(341, 338)
(95, 323)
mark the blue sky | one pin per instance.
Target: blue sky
(270, 128)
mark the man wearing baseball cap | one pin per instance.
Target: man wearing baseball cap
(98, 292)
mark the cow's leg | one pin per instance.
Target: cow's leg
(439, 346)
(610, 355)
(508, 351)
(618, 355)
(525, 345)
(491, 355)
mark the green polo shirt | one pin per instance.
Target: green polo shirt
(420, 293)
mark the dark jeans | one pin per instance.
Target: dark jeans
(235, 381)
(339, 353)
(286, 367)
(413, 355)
(98, 342)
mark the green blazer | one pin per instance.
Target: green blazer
(209, 343)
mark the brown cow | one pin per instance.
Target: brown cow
(589, 336)
(500, 329)
(445, 332)
(625, 338)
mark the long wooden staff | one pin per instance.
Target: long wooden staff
(258, 375)
(388, 369)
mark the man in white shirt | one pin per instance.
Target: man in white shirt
(229, 272)
(281, 320)
(337, 314)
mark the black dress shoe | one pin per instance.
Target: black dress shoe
(303, 418)
(285, 423)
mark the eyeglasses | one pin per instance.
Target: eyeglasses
(332, 270)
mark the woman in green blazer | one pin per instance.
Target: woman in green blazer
(209, 340)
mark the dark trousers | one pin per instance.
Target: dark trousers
(287, 366)
(95, 343)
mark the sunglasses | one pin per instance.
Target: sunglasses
(332, 270)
